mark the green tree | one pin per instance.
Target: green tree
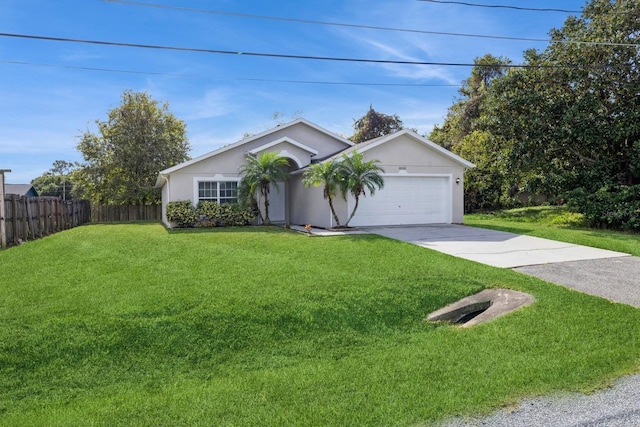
(262, 172)
(138, 139)
(62, 168)
(57, 181)
(359, 176)
(463, 116)
(327, 174)
(488, 185)
(373, 125)
(48, 184)
(573, 114)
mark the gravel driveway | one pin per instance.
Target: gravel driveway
(618, 406)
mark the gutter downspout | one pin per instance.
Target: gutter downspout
(164, 210)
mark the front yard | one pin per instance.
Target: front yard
(137, 325)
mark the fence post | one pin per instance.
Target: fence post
(3, 230)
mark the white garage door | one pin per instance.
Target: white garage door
(406, 200)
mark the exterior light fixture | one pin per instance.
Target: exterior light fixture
(457, 180)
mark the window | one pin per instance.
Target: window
(218, 191)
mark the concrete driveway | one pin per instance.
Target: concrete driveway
(496, 248)
(607, 274)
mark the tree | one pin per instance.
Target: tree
(329, 175)
(260, 173)
(48, 184)
(139, 139)
(62, 168)
(359, 175)
(373, 125)
(56, 181)
(463, 116)
(488, 184)
(574, 113)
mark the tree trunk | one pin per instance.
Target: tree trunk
(333, 212)
(355, 208)
(265, 194)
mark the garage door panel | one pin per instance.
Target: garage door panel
(405, 200)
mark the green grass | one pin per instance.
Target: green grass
(557, 223)
(136, 325)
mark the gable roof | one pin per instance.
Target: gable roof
(19, 189)
(367, 145)
(250, 139)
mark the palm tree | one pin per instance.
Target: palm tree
(260, 173)
(359, 175)
(327, 174)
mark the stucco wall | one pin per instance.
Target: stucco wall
(226, 164)
(406, 155)
(308, 205)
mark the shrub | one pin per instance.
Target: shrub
(210, 213)
(228, 214)
(614, 207)
(182, 213)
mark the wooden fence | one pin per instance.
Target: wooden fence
(30, 218)
(125, 213)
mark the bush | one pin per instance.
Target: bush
(614, 207)
(182, 213)
(229, 214)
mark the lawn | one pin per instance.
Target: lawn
(136, 325)
(557, 223)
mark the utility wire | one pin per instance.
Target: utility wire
(287, 56)
(369, 27)
(326, 23)
(110, 70)
(229, 52)
(156, 73)
(494, 6)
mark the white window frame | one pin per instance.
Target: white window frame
(213, 179)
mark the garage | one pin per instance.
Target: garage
(406, 200)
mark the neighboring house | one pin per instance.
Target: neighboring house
(423, 182)
(26, 190)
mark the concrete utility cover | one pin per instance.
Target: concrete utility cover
(491, 302)
(496, 248)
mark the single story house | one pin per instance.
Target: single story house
(423, 182)
(25, 190)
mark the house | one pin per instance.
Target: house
(423, 182)
(26, 190)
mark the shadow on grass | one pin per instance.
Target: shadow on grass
(241, 229)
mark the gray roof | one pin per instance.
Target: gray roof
(19, 189)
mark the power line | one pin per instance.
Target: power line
(238, 53)
(110, 70)
(155, 73)
(347, 83)
(288, 56)
(375, 27)
(326, 23)
(494, 6)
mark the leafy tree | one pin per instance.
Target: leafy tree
(373, 125)
(138, 139)
(329, 175)
(56, 182)
(488, 184)
(463, 116)
(359, 176)
(260, 173)
(48, 184)
(62, 168)
(573, 115)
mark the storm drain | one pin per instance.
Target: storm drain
(481, 307)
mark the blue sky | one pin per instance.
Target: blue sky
(49, 96)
